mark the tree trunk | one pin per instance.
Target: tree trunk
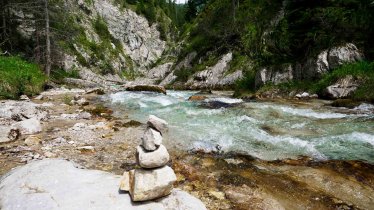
(233, 10)
(48, 41)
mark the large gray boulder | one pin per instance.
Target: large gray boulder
(275, 75)
(342, 88)
(313, 68)
(7, 134)
(59, 184)
(146, 185)
(151, 139)
(154, 159)
(160, 71)
(21, 110)
(30, 126)
(347, 53)
(211, 76)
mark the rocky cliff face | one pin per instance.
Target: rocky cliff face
(313, 68)
(133, 45)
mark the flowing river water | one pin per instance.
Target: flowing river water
(266, 130)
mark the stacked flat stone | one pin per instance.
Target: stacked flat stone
(155, 179)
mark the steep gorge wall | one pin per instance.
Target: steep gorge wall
(133, 44)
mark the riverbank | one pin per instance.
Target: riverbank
(97, 136)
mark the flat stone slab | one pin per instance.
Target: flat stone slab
(59, 184)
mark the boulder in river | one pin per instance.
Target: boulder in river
(157, 123)
(151, 88)
(59, 184)
(197, 98)
(153, 159)
(151, 139)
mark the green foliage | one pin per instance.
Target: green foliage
(18, 77)
(362, 70)
(275, 32)
(59, 75)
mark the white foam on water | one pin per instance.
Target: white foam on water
(197, 112)
(358, 136)
(298, 125)
(365, 107)
(181, 94)
(303, 112)
(225, 100)
(245, 118)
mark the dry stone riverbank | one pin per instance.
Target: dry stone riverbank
(103, 142)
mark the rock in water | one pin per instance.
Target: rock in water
(157, 123)
(151, 139)
(151, 184)
(30, 126)
(154, 159)
(151, 88)
(58, 184)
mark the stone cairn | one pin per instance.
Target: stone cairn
(154, 179)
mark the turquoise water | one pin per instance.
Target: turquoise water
(267, 130)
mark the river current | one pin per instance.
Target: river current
(266, 130)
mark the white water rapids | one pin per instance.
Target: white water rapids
(267, 130)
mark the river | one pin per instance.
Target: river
(263, 129)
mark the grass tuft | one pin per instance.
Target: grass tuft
(19, 77)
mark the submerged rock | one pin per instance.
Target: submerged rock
(197, 98)
(151, 88)
(154, 159)
(59, 184)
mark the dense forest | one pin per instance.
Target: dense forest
(259, 33)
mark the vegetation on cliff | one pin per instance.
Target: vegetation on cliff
(18, 77)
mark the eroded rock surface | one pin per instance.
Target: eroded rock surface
(59, 184)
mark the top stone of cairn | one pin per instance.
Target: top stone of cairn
(157, 124)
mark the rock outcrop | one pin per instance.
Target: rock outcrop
(343, 88)
(313, 68)
(155, 179)
(60, 184)
(212, 76)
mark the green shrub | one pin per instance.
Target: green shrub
(362, 70)
(18, 77)
(59, 75)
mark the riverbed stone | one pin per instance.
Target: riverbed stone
(154, 159)
(8, 134)
(32, 140)
(151, 139)
(151, 184)
(157, 123)
(29, 126)
(60, 184)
